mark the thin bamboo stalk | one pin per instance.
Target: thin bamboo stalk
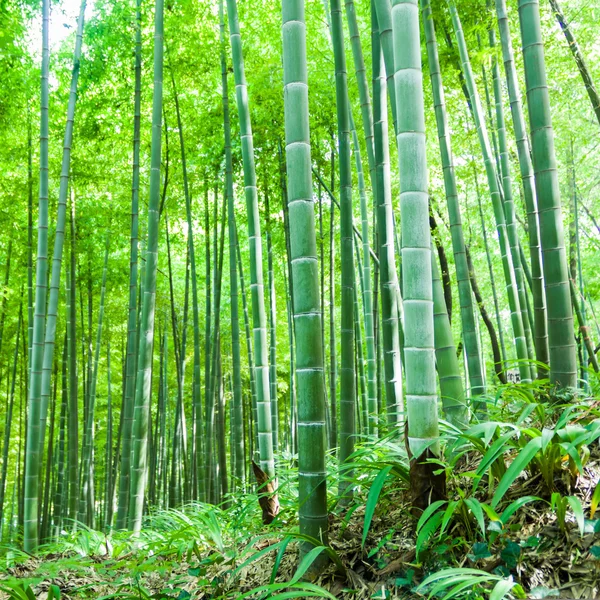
(496, 197)
(237, 424)
(508, 203)
(390, 290)
(367, 295)
(60, 496)
(8, 421)
(475, 367)
(347, 428)
(144, 382)
(59, 234)
(265, 436)
(32, 463)
(132, 343)
(529, 192)
(86, 498)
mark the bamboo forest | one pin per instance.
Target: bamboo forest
(299, 298)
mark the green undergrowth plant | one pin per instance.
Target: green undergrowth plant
(557, 454)
(441, 515)
(11, 555)
(526, 457)
(530, 452)
(20, 591)
(476, 519)
(204, 543)
(560, 504)
(375, 464)
(85, 541)
(537, 445)
(371, 455)
(595, 500)
(470, 583)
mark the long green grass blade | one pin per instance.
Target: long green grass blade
(595, 500)
(501, 589)
(513, 507)
(372, 499)
(477, 511)
(516, 468)
(577, 508)
(427, 531)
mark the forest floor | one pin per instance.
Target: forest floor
(205, 552)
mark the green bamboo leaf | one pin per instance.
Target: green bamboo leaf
(570, 433)
(279, 558)
(448, 515)
(555, 500)
(427, 531)
(489, 429)
(516, 467)
(526, 412)
(566, 416)
(477, 511)
(348, 515)
(446, 573)
(572, 451)
(461, 579)
(501, 589)
(498, 448)
(214, 529)
(469, 582)
(16, 592)
(577, 509)
(372, 499)
(595, 500)
(302, 593)
(428, 512)
(530, 432)
(513, 507)
(491, 513)
(476, 442)
(483, 431)
(265, 536)
(304, 589)
(308, 590)
(258, 555)
(333, 555)
(547, 435)
(589, 436)
(306, 562)
(450, 580)
(274, 587)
